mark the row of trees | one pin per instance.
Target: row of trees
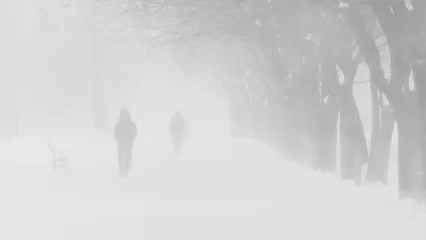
(304, 46)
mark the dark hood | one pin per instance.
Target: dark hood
(125, 114)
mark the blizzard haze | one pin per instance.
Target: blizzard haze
(60, 68)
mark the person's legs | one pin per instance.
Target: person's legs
(177, 142)
(121, 159)
(129, 158)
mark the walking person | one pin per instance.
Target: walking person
(177, 131)
(125, 132)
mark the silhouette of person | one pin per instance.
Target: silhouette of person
(177, 130)
(125, 132)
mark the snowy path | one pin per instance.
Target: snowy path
(243, 193)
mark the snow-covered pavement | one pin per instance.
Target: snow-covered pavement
(238, 189)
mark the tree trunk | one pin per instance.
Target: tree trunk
(375, 117)
(378, 162)
(328, 113)
(420, 77)
(419, 69)
(409, 150)
(326, 138)
(406, 107)
(353, 147)
(381, 137)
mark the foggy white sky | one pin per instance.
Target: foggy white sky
(55, 51)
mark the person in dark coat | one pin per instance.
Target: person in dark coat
(177, 131)
(125, 132)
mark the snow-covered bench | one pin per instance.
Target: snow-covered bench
(58, 157)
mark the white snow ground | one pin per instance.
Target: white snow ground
(238, 189)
